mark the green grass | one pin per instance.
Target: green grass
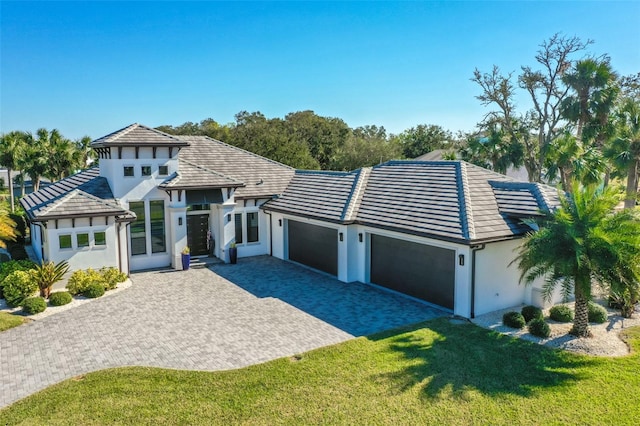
(433, 373)
(8, 321)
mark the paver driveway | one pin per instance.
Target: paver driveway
(225, 317)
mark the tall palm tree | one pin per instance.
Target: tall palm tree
(569, 159)
(624, 150)
(12, 146)
(595, 88)
(583, 241)
(84, 153)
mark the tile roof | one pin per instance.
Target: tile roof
(302, 194)
(263, 178)
(191, 176)
(448, 200)
(81, 195)
(138, 135)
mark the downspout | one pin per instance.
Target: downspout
(119, 247)
(270, 232)
(474, 250)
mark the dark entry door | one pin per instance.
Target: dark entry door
(314, 246)
(419, 270)
(197, 227)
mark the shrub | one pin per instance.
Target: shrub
(93, 291)
(538, 327)
(7, 268)
(60, 298)
(513, 319)
(17, 251)
(531, 312)
(112, 277)
(34, 305)
(561, 313)
(80, 281)
(597, 313)
(17, 287)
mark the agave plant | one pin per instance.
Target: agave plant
(47, 274)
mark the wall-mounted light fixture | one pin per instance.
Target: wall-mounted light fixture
(461, 259)
(341, 236)
(180, 221)
(280, 222)
(360, 237)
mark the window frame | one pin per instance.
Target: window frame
(84, 245)
(161, 167)
(124, 171)
(95, 240)
(145, 167)
(163, 231)
(60, 242)
(137, 226)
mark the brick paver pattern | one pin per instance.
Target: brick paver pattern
(224, 317)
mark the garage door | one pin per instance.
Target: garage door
(419, 270)
(314, 246)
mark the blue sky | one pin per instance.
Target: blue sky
(89, 68)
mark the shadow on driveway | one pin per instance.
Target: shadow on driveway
(354, 308)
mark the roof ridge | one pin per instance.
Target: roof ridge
(464, 198)
(357, 192)
(236, 148)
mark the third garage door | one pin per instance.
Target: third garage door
(419, 270)
(314, 246)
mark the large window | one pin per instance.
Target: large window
(138, 229)
(156, 212)
(238, 218)
(252, 227)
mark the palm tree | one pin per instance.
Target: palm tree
(624, 150)
(47, 274)
(583, 241)
(84, 152)
(569, 159)
(12, 146)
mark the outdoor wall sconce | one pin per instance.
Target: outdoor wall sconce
(179, 221)
(341, 235)
(280, 222)
(461, 259)
(360, 237)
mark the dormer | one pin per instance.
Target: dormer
(137, 155)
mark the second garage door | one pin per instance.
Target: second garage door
(314, 246)
(419, 270)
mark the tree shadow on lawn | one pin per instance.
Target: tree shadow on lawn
(448, 359)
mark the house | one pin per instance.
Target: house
(151, 195)
(441, 231)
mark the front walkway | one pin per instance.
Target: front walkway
(226, 317)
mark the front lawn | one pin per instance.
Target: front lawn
(8, 321)
(434, 373)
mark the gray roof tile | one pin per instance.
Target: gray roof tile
(450, 200)
(191, 176)
(87, 185)
(138, 135)
(263, 178)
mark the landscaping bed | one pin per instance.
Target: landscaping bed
(606, 340)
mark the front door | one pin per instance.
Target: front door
(197, 227)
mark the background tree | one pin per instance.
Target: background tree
(583, 241)
(365, 147)
(12, 147)
(422, 139)
(7, 227)
(493, 149)
(569, 159)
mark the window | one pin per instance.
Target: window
(252, 227)
(156, 213)
(197, 207)
(146, 170)
(128, 171)
(138, 229)
(65, 241)
(82, 239)
(163, 170)
(100, 238)
(238, 218)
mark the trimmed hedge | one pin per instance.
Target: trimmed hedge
(112, 277)
(538, 327)
(561, 313)
(60, 298)
(34, 305)
(513, 319)
(93, 291)
(531, 312)
(18, 286)
(597, 313)
(7, 268)
(81, 280)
